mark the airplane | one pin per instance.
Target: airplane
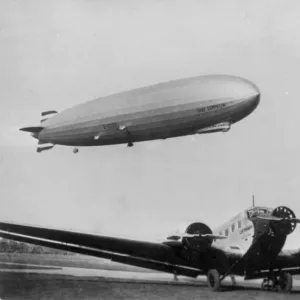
(249, 245)
(195, 105)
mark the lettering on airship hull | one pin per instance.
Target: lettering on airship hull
(211, 107)
(110, 126)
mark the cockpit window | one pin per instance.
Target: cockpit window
(256, 212)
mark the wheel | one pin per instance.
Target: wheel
(285, 283)
(266, 284)
(213, 280)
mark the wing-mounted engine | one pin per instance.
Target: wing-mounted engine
(201, 240)
(195, 245)
(220, 127)
(197, 236)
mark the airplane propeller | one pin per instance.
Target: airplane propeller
(283, 220)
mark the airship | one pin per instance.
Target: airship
(194, 105)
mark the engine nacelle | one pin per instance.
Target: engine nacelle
(200, 243)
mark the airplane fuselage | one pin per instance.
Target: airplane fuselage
(165, 110)
(240, 230)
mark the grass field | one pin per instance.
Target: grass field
(53, 286)
(33, 286)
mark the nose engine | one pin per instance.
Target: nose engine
(284, 222)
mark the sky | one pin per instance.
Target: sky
(56, 54)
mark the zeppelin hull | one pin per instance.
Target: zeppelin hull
(161, 111)
(149, 125)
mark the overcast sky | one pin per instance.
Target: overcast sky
(55, 54)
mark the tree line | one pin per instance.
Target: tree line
(11, 246)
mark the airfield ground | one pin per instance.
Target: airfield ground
(27, 276)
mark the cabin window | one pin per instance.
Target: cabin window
(232, 227)
(227, 232)
(239, 224)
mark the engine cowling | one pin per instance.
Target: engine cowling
(287, 225)
(200, 243)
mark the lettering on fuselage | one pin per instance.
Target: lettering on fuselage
(211, 107)
(110, 126)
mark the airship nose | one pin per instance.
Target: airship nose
(248, 91)
(254, 99)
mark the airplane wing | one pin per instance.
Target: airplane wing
(156, 256)
(178, 236)
(287, 260)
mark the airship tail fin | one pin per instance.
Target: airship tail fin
(45, 147)
(49, 114)
(34, 129)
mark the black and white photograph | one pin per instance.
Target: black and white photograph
(149, 149)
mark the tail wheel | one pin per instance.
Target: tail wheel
(285, 283)
(213, 280)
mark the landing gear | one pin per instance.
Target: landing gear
(233, 280)
(267, 284)
(283, 283)
(75, 150)
(213, 279)
(175, 277)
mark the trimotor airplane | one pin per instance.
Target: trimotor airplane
(201, 104)
(249, 245)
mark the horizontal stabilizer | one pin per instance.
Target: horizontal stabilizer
(43, 148)
(48, 112)
(35, 129)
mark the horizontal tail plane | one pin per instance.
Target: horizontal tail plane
(34, 129)
(48, 112)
